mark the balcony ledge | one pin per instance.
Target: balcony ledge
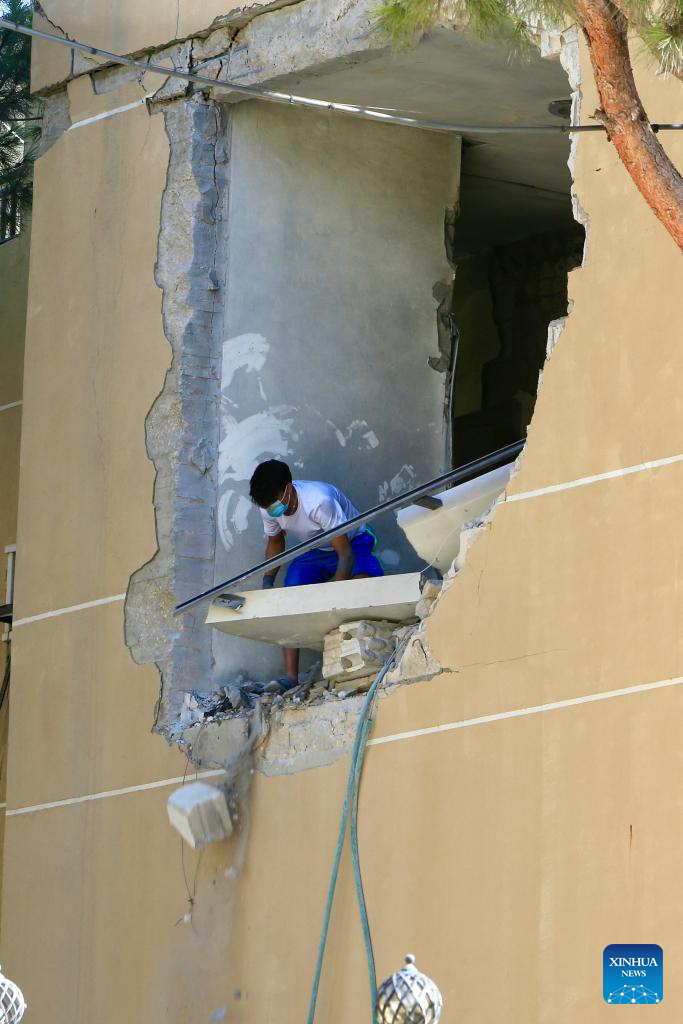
(302, 616)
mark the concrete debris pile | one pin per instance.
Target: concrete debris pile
(353, 654)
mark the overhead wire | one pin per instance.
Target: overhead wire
(273, 96)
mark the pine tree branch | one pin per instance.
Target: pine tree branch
(624, 117)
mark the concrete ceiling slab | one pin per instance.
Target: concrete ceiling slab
(512, 185)
(452, 76)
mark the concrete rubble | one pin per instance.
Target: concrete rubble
(256, 726)
(352, 657)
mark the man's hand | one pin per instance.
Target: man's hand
(275, 546)
(342, 545)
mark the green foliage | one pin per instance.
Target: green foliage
(510, 22)
(19, 122)
(403, 20)
(513, 23)
(660, 26)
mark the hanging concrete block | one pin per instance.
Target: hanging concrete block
(357, 649)
(200, 813)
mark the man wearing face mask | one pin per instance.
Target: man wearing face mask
(303, 508)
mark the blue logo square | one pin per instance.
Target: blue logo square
(632, 973)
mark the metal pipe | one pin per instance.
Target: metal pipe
(456, 476)
(368, 113)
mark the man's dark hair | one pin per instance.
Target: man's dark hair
(268, 481)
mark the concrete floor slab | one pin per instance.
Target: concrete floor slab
(302, 616)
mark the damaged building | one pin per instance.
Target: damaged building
(422, 266)
(320, 252)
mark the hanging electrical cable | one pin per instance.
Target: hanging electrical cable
(365, 722)
(258, 92)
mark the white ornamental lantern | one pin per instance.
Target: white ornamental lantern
(408, 997)
(12, 1003)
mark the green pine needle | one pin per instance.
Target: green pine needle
(513, 23)
(19, 120)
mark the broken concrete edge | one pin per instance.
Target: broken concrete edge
(563, 45)
(293, 738)
(181, 427)
(216, 40)
(570, 58)
(56, 120)
(230, 23)
(285, 733)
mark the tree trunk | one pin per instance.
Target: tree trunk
(628, 126)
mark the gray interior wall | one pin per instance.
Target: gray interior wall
(336, 240)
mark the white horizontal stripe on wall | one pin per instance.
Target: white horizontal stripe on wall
(584, 481)
(107, 113)
(538, 709)
(106, 794)
(67, 611)
(467, 723)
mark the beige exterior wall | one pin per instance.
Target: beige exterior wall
(505, 854)
(14, 257)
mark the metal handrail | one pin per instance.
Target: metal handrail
(412, 497)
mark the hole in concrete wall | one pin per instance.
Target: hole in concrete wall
(334, 281)
(515, 244)
(511, 282)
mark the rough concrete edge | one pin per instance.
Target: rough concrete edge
(566, 48)
(56, 120)
(553, 44)
(297, 737)
(325, 37)
(562, 44)
(150, 52)
(293, 738)
(181, 427)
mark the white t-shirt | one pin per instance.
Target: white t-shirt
(321, 507)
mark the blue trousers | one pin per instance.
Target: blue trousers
(319, 566)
